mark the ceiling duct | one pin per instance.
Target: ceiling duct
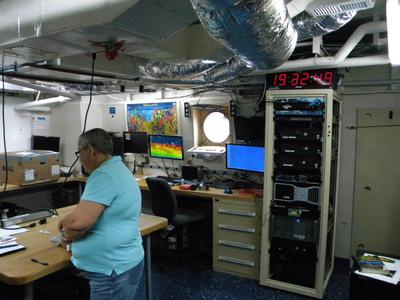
(259, 32)
(218, 74)
(308, 26)
(161, 70)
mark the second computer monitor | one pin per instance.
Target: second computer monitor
(245, 157)
(166, 146)
(51, 143)
(135, 142)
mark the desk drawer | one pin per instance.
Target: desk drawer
(235, 236)
(238, 214)
(241, 262)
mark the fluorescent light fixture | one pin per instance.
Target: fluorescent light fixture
(393, 25)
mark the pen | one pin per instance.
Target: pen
(39, 262)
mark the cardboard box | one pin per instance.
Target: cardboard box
(31, 166)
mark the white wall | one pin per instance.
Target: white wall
(347, 165)
(18, 126)
(367, 90)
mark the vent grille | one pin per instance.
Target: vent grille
(333, 7)
(313, 195)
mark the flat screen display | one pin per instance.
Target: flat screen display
(51, 143)
(135, 142)
(250, 130)
(166, 146)
(245, 157)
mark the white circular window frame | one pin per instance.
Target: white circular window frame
(216, 127)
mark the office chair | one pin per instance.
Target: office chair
(164, 204)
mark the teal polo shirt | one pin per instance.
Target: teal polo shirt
(114, 242)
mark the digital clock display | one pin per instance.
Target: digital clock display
(316, 79)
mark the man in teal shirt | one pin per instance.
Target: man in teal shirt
(104, 227)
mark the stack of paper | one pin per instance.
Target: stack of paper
(8, 245)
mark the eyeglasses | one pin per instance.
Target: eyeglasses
(78, 153)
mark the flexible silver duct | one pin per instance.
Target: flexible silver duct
(220, 73)
(308, 26)
(161, 70)
(260, 31)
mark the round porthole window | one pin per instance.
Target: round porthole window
(216, 127)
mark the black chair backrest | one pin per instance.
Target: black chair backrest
(163, 200)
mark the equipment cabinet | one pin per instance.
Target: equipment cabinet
(301, 169)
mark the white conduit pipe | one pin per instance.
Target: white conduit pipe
(29, 105)
(339, 60)
(40, 88)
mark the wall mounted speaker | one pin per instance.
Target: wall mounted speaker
(187, 109)
(232, 108)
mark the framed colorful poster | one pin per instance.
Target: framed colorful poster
(153, 118)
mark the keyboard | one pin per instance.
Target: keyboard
(165, 177)
(177, 180)
(224, 185)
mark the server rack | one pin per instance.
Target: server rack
(299, 205)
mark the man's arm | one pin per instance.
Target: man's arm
(80, 220)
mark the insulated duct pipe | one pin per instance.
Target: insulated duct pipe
(29, 105)
(336, 61)
(40, 88)
(258, 31)
(308, 26)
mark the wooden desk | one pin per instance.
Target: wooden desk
(18, 269)
(236, 228)
(210, 193)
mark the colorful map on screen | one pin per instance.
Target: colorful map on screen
(153, 118)
(166, 147)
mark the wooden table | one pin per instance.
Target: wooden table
(210, 193)
(18, 269)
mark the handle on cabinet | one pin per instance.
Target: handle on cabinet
(237, 212)
(236, 228)
(237, 261)
(236, 244)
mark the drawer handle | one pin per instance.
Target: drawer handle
(235, 244)
(236, 228)
(237, 212)
(237, 261)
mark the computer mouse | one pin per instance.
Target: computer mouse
(227, 191)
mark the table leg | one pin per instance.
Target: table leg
(28, 291)
(148, 268)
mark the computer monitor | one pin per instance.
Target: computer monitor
(118, 145)
(250, 130)
(245, 157)
(166, 146)
(135, 142)
(51, 143)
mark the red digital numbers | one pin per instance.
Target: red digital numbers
(304, 79)
(295, 79)
(328, 77)
(280, 79)
(305, 76)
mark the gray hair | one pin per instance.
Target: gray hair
(97, 138)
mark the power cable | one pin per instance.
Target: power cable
(84, 128)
